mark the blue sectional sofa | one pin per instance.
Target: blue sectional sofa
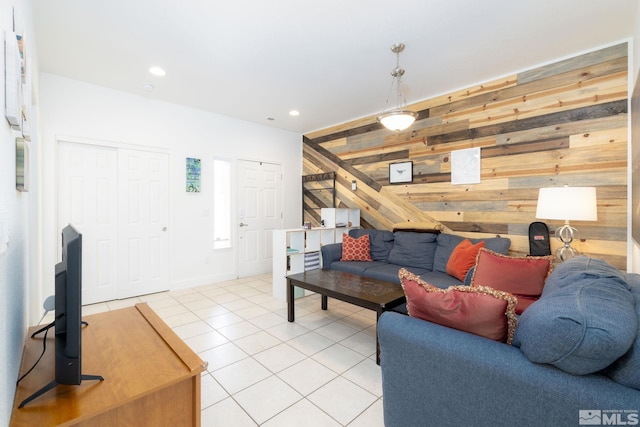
(582, 335)
(422, 253)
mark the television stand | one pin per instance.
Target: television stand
(53, 384)
(130, 347)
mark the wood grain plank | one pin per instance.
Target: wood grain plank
(603, 55)
(584, 113)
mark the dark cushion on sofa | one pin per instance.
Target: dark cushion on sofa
(584, 320)
(381, 242)
(446, 243)
(626, 370)
(413, 249)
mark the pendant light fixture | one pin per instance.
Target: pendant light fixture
(398, 118)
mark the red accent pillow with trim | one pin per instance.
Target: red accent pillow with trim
(480, 310)
(523, 277)
(356, 249)
(463, 258)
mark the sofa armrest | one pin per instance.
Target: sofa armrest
(330, 253)
(449, 377)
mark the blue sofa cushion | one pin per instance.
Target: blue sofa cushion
(381, 242)
(413, 249)
(626, 370)
(446, 243)
(584, 320)
(355, 267)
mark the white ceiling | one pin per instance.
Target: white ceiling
(329, 59)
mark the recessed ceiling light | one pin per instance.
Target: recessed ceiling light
(157, 71)
(294, 113)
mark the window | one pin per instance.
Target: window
(221, 203)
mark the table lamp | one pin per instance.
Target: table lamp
(568, 204)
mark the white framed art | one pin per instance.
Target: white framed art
(400, 172)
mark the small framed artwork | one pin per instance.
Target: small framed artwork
(193, 175)
(22, 165)
(400, 172)
(465, 166)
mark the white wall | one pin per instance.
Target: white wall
(85, 111)
(18, 219)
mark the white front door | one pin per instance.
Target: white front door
(144, 221)
(119, 200)
(259, 213)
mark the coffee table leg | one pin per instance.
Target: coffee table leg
(324, 302)
(290, 308)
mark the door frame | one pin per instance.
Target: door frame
(113, 145)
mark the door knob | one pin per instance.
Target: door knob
(164, 228)
(242, 224)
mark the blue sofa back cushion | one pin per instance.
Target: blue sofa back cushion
(584, 320)
(413, 249)
(626, 370)
(380, 242)
(446, 243)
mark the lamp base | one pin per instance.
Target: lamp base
(566, 234)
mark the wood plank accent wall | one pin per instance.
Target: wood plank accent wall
(563, 123)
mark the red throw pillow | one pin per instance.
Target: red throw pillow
(463, 258)
(478, 310)
(523, 277)
(356, 249)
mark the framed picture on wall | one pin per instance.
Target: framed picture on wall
(193, 175)
(22, 165)
(400, 172)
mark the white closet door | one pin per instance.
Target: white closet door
(144, 221)
(87, 198)
(119, 200)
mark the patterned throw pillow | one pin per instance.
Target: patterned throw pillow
(463, 258)
(523, 277)
(481, 310)
(356, 249)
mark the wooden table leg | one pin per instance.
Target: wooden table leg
(291, 316)
(324, 302)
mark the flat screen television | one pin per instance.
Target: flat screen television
(68, 316)
(68, 324)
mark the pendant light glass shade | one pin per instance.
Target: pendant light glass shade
(398, 118)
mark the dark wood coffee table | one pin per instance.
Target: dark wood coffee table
(373, 294)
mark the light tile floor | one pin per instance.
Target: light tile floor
(318, 371)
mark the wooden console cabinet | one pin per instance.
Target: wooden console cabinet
(151, 377)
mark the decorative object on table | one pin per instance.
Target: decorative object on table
(568, 204)
(465, 166)
(193, 175)
(400, 172)
(22, 165)
(398, 118)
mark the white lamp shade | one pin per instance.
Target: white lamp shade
(567, 203)
(397, 120)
